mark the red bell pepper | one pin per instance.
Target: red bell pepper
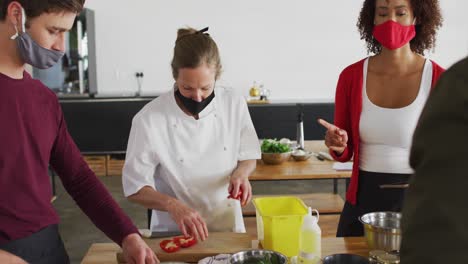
(169, 246)
(238, 197)
(185, 242)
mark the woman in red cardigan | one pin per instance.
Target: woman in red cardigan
(378, 103)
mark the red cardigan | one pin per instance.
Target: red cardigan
(348, 107)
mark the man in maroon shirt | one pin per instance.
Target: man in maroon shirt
(33, 135)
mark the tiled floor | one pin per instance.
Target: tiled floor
(78, 232)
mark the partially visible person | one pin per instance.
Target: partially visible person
(435, 213)
(34, 135)
(192, 147)
(378, 102)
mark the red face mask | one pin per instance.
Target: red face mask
(393, 35)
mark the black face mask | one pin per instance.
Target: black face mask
(193, 106)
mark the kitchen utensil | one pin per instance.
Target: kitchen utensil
(345, 259)
(156, 234)
(258, 256)
(325, 155)
(382, 230)
(300, 127)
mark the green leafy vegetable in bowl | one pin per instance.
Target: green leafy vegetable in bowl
(274, 146)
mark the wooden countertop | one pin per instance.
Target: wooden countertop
(106, 253)
(300, 170)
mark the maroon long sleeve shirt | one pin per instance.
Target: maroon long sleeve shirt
(33, 134)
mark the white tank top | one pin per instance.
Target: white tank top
(386, 133)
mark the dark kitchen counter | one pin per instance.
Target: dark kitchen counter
(102, 125)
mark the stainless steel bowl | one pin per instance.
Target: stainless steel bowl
(382, 230)
(345, 259)
(258, 257)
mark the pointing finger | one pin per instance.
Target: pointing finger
(325, 124)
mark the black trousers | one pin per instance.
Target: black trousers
(372, 198)
(42, 247)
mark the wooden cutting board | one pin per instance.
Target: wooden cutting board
(217, 243)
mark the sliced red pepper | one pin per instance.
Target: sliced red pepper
(185, 242)
(238, 197)
(169, 246)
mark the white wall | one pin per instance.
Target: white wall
(296, 48)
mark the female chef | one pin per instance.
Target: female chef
(192, 147)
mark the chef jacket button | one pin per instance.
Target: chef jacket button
(225, 148)
(175, 126)
(215, 115)
(181, 160)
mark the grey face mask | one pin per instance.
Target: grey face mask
(31, 52)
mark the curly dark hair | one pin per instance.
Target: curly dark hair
(428, 17)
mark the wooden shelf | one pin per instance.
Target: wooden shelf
(106, 165)
(97, 163)
(115, 165)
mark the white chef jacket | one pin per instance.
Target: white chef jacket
(191, 160)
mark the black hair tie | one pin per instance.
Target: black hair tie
(203, 31)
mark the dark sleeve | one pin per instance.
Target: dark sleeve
(343, 114)
(435, 211)
(85, 188)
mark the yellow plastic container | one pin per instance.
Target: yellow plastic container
(279, 221)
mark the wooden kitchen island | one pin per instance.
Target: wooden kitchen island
(218, 243)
